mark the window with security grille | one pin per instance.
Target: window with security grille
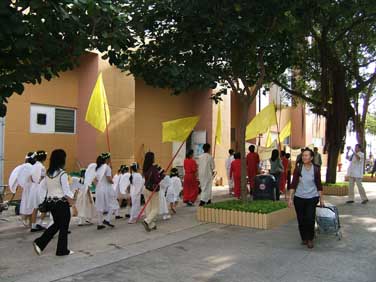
(65, 120)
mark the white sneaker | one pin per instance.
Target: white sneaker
(166, 217)
(71, 253)
(37, 249)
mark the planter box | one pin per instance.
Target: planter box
(246, 219)
(336, 190)
(365, 178)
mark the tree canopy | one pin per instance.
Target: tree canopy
(39, 39)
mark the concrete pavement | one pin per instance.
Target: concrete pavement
(185, 250)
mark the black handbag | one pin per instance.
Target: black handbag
(45, 206)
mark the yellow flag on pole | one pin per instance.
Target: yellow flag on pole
(269, 141)
(218, 132)
(286, 132)
(98, 113)
(261, 122)
(178, 130)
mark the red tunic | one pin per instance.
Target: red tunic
(236, 173)
(190, 186)
(283, 180)
(253, 161)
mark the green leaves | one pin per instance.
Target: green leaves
(262, 206)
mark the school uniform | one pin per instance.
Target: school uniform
(124, 189)
(84, 203)
(102, 201)
(23, 174)
(37, 190)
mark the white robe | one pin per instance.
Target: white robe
(84, 203)
(164, 186)
(137, 187)
(102, 188)
(206, 168)
(38, 190)
(24, 180)
(229, 160)
(124, 189)
(173, 191)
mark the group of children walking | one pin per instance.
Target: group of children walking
(127, 185)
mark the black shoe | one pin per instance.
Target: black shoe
(105, 222)
(209, 202)
(146, 226)
(202, 203)
(118, 217)
(128, 216)
(190, 204)
(69, 232)
(349, 202)
(154, 228)
(99, 227)
(364, 202)
(37, 228)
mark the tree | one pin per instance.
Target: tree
(371, 124)
(194, 45)
(39, 38)
(337, 45)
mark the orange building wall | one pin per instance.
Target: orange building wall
(60, 91)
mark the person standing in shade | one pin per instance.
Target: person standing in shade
(355, 173)
(305, 194)
(152, 177)
(190, 184)
(236, 174)
(228, 162)
(276, 169)
(61, 198)
(206, 168)
(317, 157)
(253, 162)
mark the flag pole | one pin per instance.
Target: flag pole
(156, 187)
(107, 133)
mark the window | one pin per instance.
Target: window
(49, 120)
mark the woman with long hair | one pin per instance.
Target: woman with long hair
(305, 193)
(190, 184)
(60, 198)
(152, 179)
(276, 169)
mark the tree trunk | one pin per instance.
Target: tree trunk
(336, 119)
(245, 104)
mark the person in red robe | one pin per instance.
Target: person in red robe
(253, 162)
(190, 185)
(236, 173)
(283, 179)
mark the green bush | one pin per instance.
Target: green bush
(260, 206)
(338, 184)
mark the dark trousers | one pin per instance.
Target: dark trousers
(61, 215)
(306, 213)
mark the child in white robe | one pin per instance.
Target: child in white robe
(124, 189)
(174, 190)
(85, 203)
(119, 196)
(137, 186)
(163, 207)
(103, 181)
(21, 176)
(37, 191)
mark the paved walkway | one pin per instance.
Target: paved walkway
(185, 250)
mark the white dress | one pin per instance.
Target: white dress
(85, 202)
(24, 180)
(205, 173)
(164, 186)
(173, 192)
(137, 187)
(38, 190)
(102, 187)
(112, 194)
(123, 188)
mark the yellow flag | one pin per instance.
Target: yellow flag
(218, 132)
(269, 141)
(286, 132)
(261, 123)
(178, 130)
(98, 113)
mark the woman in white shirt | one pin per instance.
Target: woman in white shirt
(60, 198)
